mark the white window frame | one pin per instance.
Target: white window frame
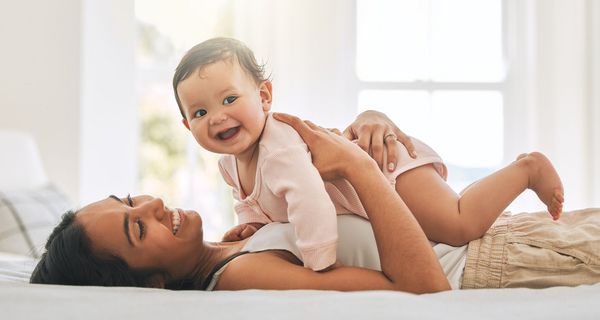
(430, 86)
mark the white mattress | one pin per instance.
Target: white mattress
(26, 301)
(21, 300)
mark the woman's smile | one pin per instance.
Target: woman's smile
(175, 220)
(178, 218)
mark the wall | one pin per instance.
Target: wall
(594, 106)
(68, 78)
(552, 105)
(308, 47)
(40, 81)
(109, 122)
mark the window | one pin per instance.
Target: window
(437, 69)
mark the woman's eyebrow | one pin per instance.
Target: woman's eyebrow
(112, 196)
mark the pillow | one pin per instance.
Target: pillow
(27, 217)
(16, 268)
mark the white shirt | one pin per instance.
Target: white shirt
(356, 247)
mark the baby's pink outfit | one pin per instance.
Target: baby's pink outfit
(288, 188)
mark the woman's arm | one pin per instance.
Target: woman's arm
(407, 260)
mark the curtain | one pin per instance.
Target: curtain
(552, 95)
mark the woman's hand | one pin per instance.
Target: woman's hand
(373, 130)
(333, 155)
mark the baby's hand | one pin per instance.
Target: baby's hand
(241, 232)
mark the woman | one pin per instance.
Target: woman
(139, 242)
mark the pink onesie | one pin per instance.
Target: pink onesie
(288, 188)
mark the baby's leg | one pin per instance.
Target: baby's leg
(456, 220)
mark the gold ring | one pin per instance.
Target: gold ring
(389, 135)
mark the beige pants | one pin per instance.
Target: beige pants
(531, 250)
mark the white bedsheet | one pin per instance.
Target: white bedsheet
(26, 301)
(21, 300)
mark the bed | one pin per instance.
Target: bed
(21, 300)
(31, 205)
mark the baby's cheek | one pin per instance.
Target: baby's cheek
(200, 135)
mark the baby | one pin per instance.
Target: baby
(225, 99)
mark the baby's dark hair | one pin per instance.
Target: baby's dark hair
(211, 51)
(69, 260)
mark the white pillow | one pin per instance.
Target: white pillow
(20, 164)
(27, 217)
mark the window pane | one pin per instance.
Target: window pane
(464, 127)
(408, 109)
(469, 127)
(392, 40)
(440, 40)
(466, 38)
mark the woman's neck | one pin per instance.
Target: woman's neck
(214, 253)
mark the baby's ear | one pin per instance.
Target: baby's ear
(266, 95)
(186, 124)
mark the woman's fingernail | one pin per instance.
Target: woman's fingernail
(391, 166)
(414, 154)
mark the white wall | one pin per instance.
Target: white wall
(562, 94)
(551, 101)
(317, 38)
(109, 122)
(40, 81)
(68, 78)
(594, 106)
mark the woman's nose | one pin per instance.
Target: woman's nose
(153, 207)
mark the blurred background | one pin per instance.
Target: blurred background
(481, 81)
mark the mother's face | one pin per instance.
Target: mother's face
(144, 233)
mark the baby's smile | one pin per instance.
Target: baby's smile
(229, 133)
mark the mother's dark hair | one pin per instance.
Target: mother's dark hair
(69, 260)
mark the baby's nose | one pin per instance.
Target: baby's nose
(218, 118)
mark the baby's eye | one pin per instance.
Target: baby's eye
(199, 113)
(229, 100)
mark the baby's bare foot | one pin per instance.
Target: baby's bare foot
(545, 182)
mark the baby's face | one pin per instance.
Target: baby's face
(224, 107)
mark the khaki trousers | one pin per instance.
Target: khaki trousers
(531, 250)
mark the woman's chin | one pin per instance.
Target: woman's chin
(194, 221)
